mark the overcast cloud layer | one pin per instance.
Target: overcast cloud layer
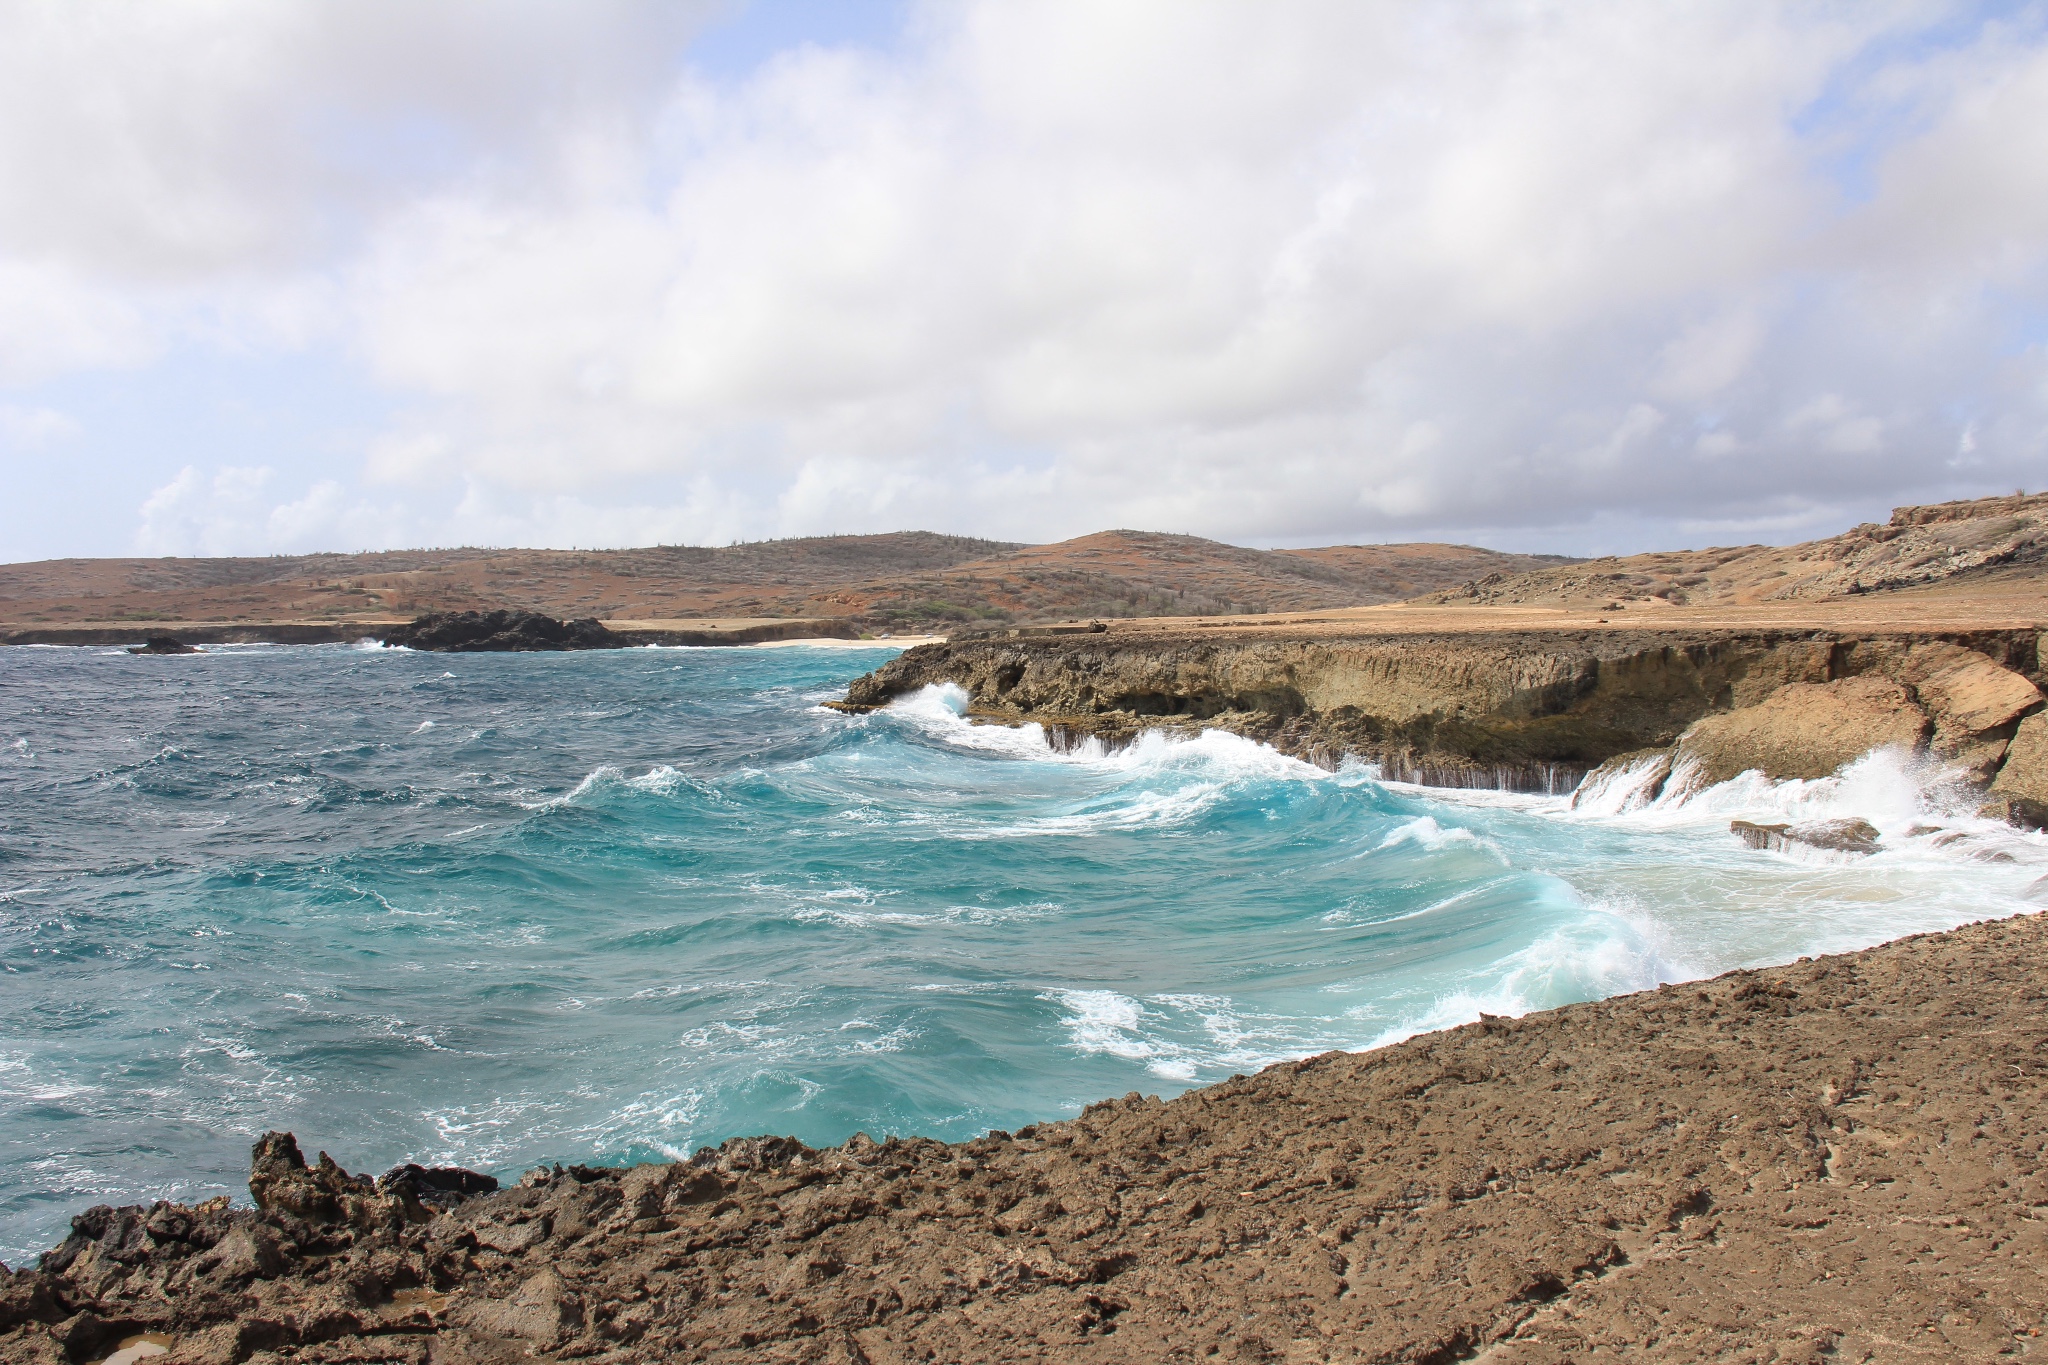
(362, 273)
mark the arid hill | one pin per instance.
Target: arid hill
(906, 579)
(1986, 545)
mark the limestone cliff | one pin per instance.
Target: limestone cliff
(1526, 710)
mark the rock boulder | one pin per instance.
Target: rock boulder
(1803, 730)
(501, 632)
(2020, 791)
(164, 644)
(1832, 836)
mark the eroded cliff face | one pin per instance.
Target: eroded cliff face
(1525, 710)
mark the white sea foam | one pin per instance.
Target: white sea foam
(1620, 790)
(1179, 1036)
(1139, 810)
(1890, 787)
(660, 780)
(940, 711)
(890, 1040)
(1682, 898)
(1114, 1025)
(860, 916)
(1424, 832)
(1213, 753)
(1591, 958)
(1924, 814)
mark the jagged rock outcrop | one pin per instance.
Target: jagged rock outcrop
(501, 632)
(1528, 710)
(324, 1256)
(1812, 1162)
(2019, 792)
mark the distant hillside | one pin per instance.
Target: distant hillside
(1146, 573)
(1950, 546)
(904, 579)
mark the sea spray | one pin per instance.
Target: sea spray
(500, 910)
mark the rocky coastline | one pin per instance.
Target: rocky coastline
(1840, 1159)
(1530, 709)
(473, 631)
(501, 632)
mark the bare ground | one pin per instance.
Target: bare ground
(897, 581)
(1837, 1160)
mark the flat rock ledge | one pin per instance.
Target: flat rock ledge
(1549, 710)
(1836, 1160)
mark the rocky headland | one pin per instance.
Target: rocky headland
(476, 632)
(1840, 1159)
(508, 631)
(1533, 709)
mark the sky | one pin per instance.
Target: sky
(1577, 277)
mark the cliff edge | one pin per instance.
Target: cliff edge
(1532, 709)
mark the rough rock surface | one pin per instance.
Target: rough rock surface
(1529, 710)
(1803, 730)
(1917, 548)
(501, 632)
(2020, 791)
(1837, 1160)
(1831, 836)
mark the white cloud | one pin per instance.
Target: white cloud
(24, 429)
(1265, 272)
(1212, 247)
(195, 515)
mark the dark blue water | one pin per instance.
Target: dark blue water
(499, 910)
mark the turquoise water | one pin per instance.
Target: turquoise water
(499, 910)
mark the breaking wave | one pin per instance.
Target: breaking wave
(495, 911)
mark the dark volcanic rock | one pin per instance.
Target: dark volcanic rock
(163, 644)
(436, 1187)
(501, 631)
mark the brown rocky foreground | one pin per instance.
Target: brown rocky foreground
(1836, 1160)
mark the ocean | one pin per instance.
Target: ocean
(503, 910)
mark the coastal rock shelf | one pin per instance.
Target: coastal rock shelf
(1531, 709)
(1840, 1159)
